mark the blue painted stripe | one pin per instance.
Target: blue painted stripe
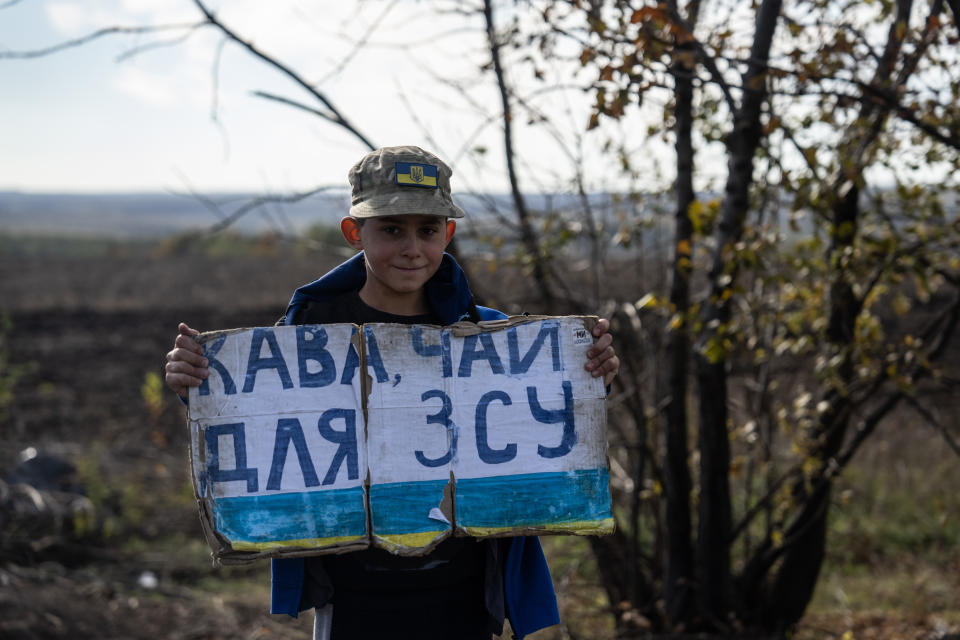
(402, 507)
(533, 499)
(292, 516)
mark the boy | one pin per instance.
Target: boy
(402, 218)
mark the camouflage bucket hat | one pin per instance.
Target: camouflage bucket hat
(395, 181)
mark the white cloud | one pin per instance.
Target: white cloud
(68, 18)
(152, 89)
(158, 9)
(72, 19)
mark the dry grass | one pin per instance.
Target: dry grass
(88, 329)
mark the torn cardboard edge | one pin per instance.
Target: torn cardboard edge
(467, 328)
(225, 552)
(457, 329)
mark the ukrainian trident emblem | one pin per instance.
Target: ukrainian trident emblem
(416, 174)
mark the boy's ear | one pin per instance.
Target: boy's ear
(451, 228)
(351, 232)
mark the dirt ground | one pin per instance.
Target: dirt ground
(85, 338)
(84, 335)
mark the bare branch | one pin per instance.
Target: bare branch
(529, 239)
(880, 98)
(359, 44)
(763, 502)
(416, 44)
(158, 44)
(788, 133)
(768, 553)
(96, 35)
(215, 97)
(705, 58)
(932, 419)
(297, 105)
(260, 201)
(216, 208)
(215, 84)
(938, 334)
(285, 70)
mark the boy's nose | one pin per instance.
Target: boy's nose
(411, 244)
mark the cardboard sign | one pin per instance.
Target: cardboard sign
(328, 438)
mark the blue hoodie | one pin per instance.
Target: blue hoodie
(528, 589)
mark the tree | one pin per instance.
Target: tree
(825, 113)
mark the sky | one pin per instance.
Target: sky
(93, 119)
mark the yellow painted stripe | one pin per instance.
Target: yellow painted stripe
(428, 181)
(581, 528)
(394, 543)
(308, 543)
(398, 542)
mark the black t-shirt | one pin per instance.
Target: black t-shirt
(376, 594)
(349, 307)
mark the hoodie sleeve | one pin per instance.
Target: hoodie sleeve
(528, 588)
(286, 585)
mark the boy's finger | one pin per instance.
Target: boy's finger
(602, 344)
(181, 354)
(597, 364)
(607, 379)
(602, 326)
(185, 329)
(181, 383)
(181, 380)
(178, 367)
(184, 341)
(608, 369)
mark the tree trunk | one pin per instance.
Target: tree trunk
(797, 575)
(793, 585)
(714, 507)
(679, 562)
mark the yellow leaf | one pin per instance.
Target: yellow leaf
(695, 213)
(901, 29)
(901, 305)
(646, 301)
(683, 248)
(152, 393)
(714, 350)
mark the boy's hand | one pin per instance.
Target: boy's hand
(603, 360)
(186, 366)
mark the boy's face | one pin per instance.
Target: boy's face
(402, 253)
